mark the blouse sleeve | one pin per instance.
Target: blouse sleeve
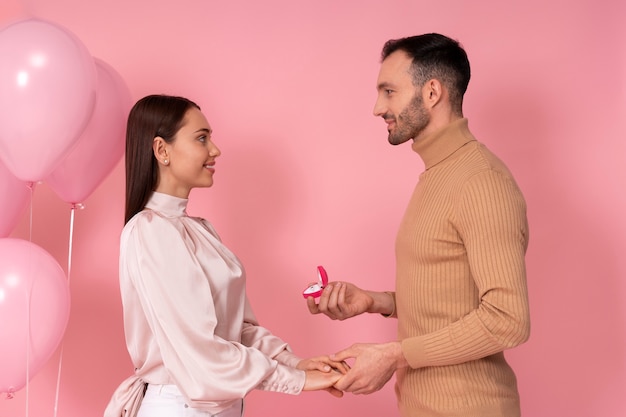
(175, 296)
(261, 338)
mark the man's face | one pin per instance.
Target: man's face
(399, 102)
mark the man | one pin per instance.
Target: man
(460, 296)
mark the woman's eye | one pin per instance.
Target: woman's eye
(202, 139)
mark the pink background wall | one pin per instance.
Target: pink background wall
(306, 177)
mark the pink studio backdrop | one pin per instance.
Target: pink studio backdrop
(306, 177)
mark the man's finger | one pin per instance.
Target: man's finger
(333, 301)
(345, 383)
(335, 392)
(342, 355)
(324, 301)
(341, 366)
(312, 305)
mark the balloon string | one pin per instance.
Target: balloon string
(56, 396)
(31, 186)
(30, 292)
(69, 274)
(69, 252)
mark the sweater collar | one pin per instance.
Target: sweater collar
(168, 204)
(442, 143)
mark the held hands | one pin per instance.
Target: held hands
(373, 367)
(323, 363)
(374, 364)
(322, 373)
(341, 300)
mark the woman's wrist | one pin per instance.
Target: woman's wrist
(286, 357)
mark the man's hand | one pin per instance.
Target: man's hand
(374, 365)
(341, 300)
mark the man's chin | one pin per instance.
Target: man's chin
(395, 141)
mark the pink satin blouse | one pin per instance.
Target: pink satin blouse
(187, 318)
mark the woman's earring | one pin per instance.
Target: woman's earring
(166, 162)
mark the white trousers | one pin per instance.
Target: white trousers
(167, 401)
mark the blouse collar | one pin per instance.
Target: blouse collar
(167, 204)
(439, 145)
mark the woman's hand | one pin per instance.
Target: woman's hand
(319, 380)
(323, 363)
(322, 373)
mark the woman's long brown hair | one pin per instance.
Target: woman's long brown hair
(152, 116)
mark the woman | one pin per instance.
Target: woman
(194, 341)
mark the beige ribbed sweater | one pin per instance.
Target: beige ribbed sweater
(461, 281)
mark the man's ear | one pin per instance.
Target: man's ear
(432, 92)
(159, 147)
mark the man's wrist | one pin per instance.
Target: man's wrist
(383, 303)
(392, 296)
(398, 354)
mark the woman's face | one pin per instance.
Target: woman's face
(190, 157)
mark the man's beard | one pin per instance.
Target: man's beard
(411, 121)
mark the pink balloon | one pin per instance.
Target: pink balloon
(35, 300)
(48, 81)
(101, 145)
(14, 195)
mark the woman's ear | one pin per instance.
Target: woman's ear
(159, 147)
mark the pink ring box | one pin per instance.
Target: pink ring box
(315, 290)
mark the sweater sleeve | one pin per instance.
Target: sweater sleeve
(175, 294)
(491, 220)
